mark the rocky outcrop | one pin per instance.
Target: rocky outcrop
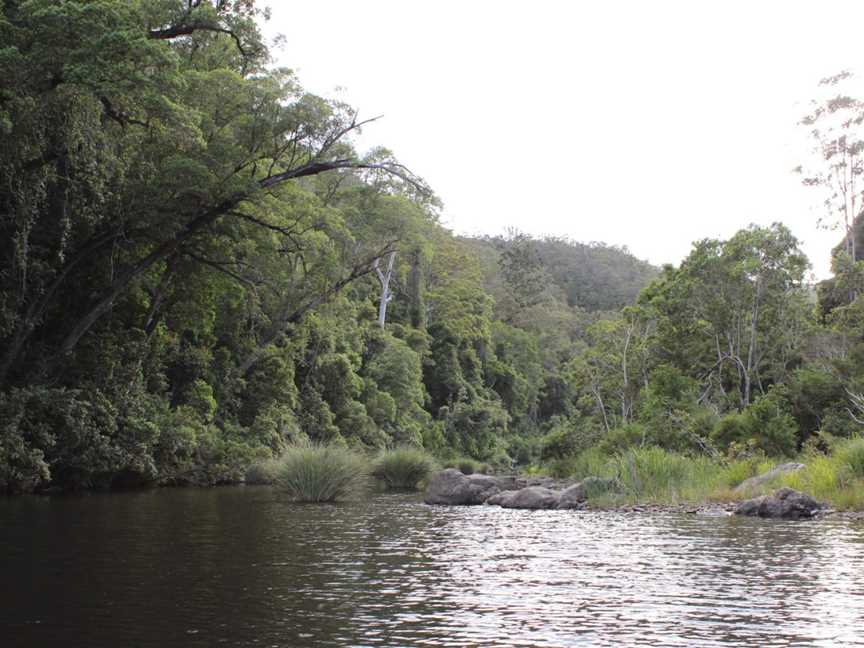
(453, 488)
(575, 496)
(760, 480)
(532, 497)
(785, 504)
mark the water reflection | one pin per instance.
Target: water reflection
(241, 567)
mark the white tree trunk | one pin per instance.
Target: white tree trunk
(384, 278)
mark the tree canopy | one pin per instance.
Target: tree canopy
(198, 269)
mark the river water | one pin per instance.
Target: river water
(242, 567)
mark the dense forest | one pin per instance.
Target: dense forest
(198, 269)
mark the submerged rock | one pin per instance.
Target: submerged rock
(785, 504)
(760, 480)
(532, 497)
(453, 488)
(578, 494)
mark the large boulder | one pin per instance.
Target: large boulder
(453, 488)
(578, 494)
(785, 504)
(760, 480)
(532, 497)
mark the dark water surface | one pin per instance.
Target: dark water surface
(241, 567)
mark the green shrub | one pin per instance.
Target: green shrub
(523, 449)
(265, 471)
(560, 443)
(474, 428)
(731, 429)
(403, 468)
(623, 438)
(762, 425)
(851, 453)
(837, 422)
(70, 439)
(774, 429)
(812, 394)
(468, 466)
(321, 473)
(199, 396)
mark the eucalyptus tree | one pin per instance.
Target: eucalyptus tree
(836, 126)
(734, 313)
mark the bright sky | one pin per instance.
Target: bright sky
(645, 124)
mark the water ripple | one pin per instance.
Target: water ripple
(241, 567)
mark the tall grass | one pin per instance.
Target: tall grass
(653, 475)
(837, 478)
(851, 454)
(659, 476)
(403, 468)
(316, 473)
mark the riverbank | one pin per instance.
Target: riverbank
(656, 477)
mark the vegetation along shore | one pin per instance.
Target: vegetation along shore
(202, 279)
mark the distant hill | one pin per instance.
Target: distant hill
(593, 276)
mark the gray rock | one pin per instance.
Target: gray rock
(533, 497)
(453, 488)
(577, 494)
(502, 498)
(785, 504)
(539, 480)
(509, 482)
(760, 480)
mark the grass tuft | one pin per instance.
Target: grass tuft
(320, 473)
(403, 468)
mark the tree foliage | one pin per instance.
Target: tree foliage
(188, 253)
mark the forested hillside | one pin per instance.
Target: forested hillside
(591, 276)
(194, 258)
(198, 269)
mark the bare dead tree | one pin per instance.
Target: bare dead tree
(384, 278)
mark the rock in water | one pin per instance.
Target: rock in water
(501, 498)
(453, 488)
(759, 480)
(785, 504)
(577, 494)
(533, 497)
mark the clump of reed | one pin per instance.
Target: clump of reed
(321, 473)
(403, 468)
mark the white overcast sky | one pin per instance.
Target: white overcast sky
(648, 124)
